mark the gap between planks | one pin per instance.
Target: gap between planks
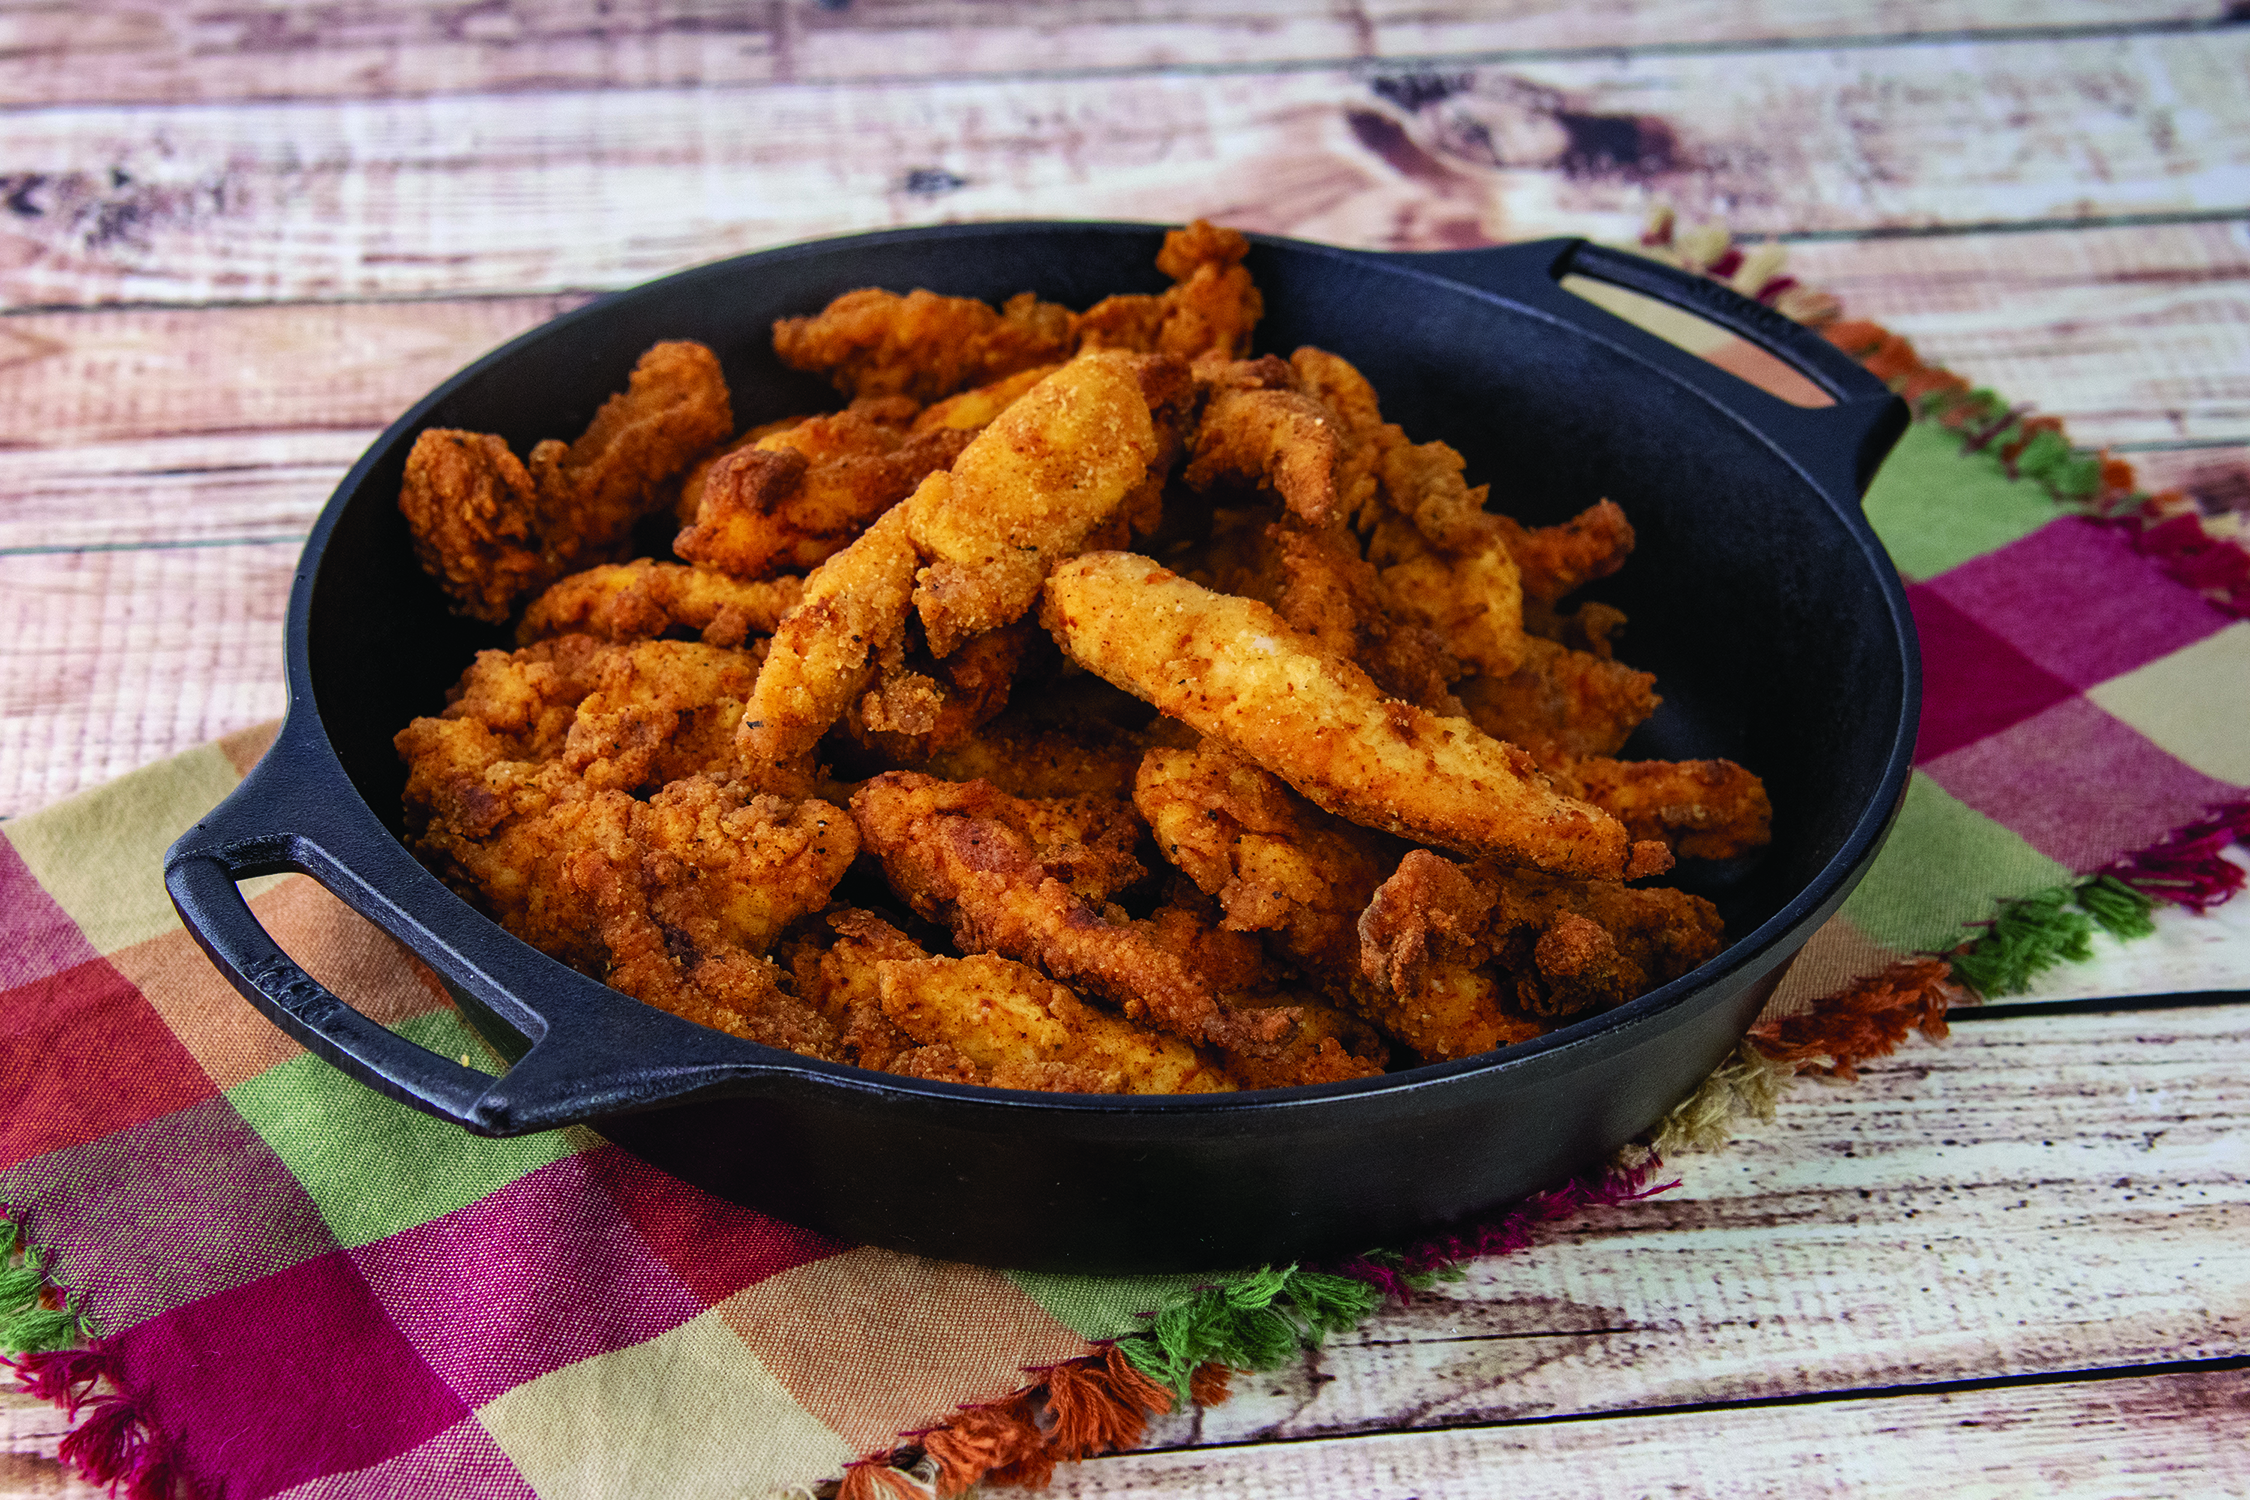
(283, 202)
(116, 52)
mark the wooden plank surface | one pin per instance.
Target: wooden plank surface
(2042, 1194)
(2151, 1437)
(120, 51)
(547, 191)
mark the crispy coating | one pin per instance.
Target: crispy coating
(1334, 595)
(1001, 892)
(977, 408)
(841, 980)
(1455, 956)
(1553, 560)
(825, 652)
(877, 343)
(1027, 759)
(491, 530)
(1561, 705)
(592, 490)
(646, 598)
(1701, 809)
(798, 497)
(1233, 670)
(1059, 462)
(1021, 1029)
(1269, 439)
(1274, 862)
(1210, 309)
(475, 521)
(910, 715)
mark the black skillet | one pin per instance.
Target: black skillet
(1757, 593)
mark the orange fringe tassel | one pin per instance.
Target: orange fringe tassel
(1865, 1020)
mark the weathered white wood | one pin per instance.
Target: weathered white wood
(2131, 335)
(408, 196)
(116, 659)
(89, 377)
(117, 51)
(2043, 1193)
(2155, 1437)
(30, 1431)
(166, 492)
(2218, 478)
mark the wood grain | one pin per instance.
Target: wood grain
(30, 1431)
(546, 191)
(115, 659)
(2044, 1193)
(2152, 1436)
(120, 51)
(2131, 335)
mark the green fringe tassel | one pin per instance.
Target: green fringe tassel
(1251, 1322)
(27, 1324)
(2036, 932)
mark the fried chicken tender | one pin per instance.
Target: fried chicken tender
(1701, 809)
(1059, 462)
(592, 490)
(797, 498)
(491, 530)
(841, 980)
(1210, 309)
(475, 521)
(1553, 560)
(1461, 959)
(1561, 705)
(1269, 439)
(646, 598)
(1234, 671)
(910, 715)
(1336, 596)
(1274, 862)
(1021, 1029)
(876, 343)
(1024, 758)
(825, 652)
(1002, 892)
(977, 408)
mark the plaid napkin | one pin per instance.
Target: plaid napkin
(299, 1287)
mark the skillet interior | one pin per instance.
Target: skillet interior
(1752, 596)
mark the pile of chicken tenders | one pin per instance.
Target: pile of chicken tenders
(1086, 706)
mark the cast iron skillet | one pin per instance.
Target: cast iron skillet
(1758, 594)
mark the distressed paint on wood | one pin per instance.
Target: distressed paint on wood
(116, 51)
(2149, 1437)
(116, 659)
(2130, 335)
(526, 193)
(2042, 1193)
(91, 377)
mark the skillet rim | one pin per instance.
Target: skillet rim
(1555, 1054)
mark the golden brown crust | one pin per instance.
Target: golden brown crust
(646, 598)
(475, 521)
(1553, 560)
(1561, 705)
(876, 343)
(1701, 809)
(1233, 670)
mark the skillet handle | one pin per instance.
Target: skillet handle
(573, 1039)
(1839, 447)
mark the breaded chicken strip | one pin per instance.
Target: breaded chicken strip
(797, 498)
(646, 598)
(837, 973)
(1235, 671)
(1210, 309)
(1269, 439)
(1274, 862)
(1461, 959)
(1021, 1029)
(876, 343)
(1334, 595)
(475, 521)
(1025, 758)
(1057, 464)
(1702, 809)
(1002, 891)
(491, 530)
(1561, 704)
(825, 651)
(1556, 559)
(921, 707)
(977, 408)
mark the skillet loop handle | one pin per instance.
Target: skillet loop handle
(202, 886)
(1839, 446)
